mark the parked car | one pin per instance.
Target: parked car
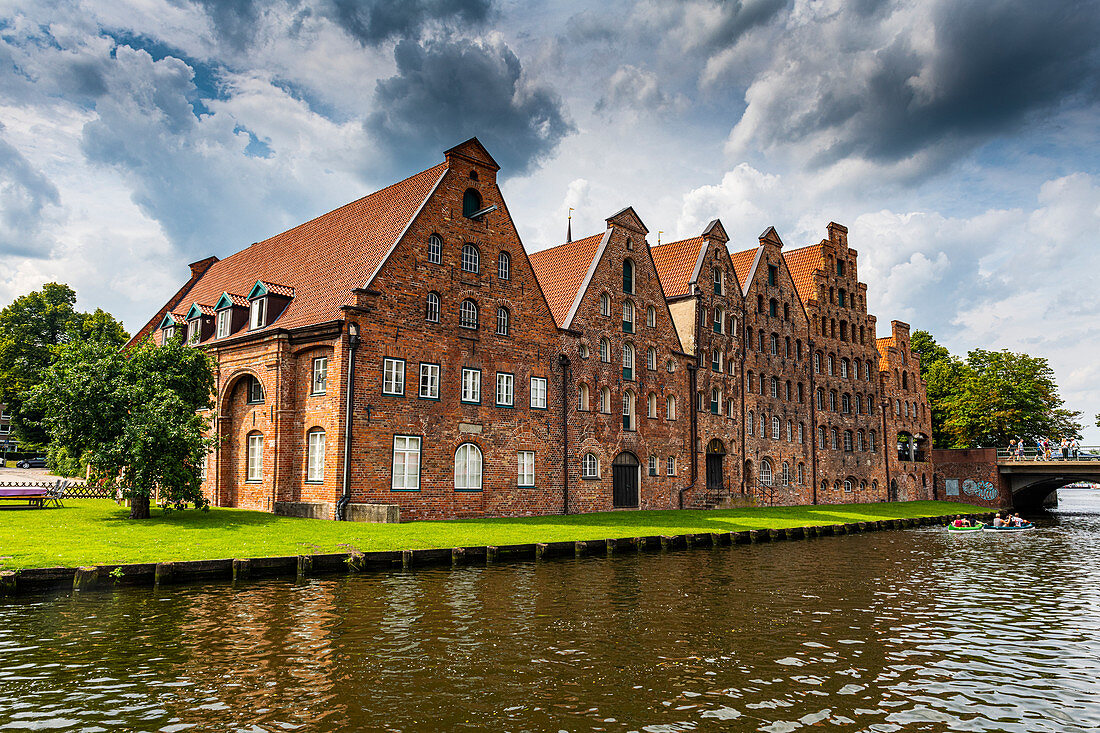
(32, 463)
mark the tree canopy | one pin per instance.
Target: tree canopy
(991, 397)
(137, 417)
(32, 330)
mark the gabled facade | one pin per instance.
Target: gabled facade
(906, 417)
(851, 458)
(627, 371)
(704, 297)
(777, 442)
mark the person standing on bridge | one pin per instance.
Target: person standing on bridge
(1065, 449)
(1075, 447)
(1020, 449)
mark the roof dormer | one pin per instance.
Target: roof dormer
(266, 302)
(232, 314)
(171, 326)
(200, 323)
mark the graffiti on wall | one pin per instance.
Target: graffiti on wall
(982, 489)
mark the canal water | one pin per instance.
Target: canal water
(901, 630)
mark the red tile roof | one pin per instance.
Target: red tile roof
(675, 263)
(742, 264)
(274, 289)
(802, 263)
(320, 262)
(240, 300)
(561, 271)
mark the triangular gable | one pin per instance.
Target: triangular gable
(197, 311)
(229, 300)
(715, 230)
(627, 219)
(770, 235)
(472, 149)
(563, 273)
(258, 290)
(744, 265)
(169, 321)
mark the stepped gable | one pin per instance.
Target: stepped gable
(802, 263)
(562, 270)
(677, 264)
(743, 262)
(322, 261)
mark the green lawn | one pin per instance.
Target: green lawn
(97, 532)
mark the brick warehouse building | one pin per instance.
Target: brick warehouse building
(405, 350)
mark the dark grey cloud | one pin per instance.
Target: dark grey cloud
(24, 195)
(447, 91)
(373, 21)
(234, 21)
(737, 18)
(958, 74)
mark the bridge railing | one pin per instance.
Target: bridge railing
(1083, 453)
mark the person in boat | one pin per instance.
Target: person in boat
(998, 522)
(960, 522)
(1018, 521)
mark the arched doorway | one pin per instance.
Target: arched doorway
(893, 495)
(716, 451)
(624, 475)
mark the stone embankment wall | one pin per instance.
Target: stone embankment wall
(970, 476)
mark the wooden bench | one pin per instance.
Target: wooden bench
(34, 495)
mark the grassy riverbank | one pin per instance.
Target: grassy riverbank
(97, 532)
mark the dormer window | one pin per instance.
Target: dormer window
(257, 314)
(167, 334)
(171, 326)
(223, 323)
(194, 329)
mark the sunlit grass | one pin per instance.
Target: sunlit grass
(97, 532)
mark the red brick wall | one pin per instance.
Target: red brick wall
(973, 476)
(903, 386)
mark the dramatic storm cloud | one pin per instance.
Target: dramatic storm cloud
(958, 139)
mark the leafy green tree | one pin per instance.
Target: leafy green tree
(32, 330)
(931, 353)
(138, 417)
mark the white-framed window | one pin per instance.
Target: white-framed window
(255, 391)
(503, 321)
(257, 313)
(776, 427)
(431, 308)
(801, 473)
(817, 363)
(670, 466)
(605, 349)
(651, 316)
(715, 401)
(538, 392)
(590, 466)
(504, 266)
(315, 455)
(506, 389)
(435, 249)
(167, 334)
(255, 468)
(848, 486)
(801, 432)
(605, 304)
(651, 359)
(670, 366)
(406, 463)
(844, 368)
(319, 376)
(468, 468)
(467, 314)
(393, 376)
(525, 461)
(653, 465)
(871, 441)
(763, 423)
(605, 400)
(859, 440)
(848, 441)
(628, 360)
(224, 317)
(670, 407)
(194, 330)
(628, 411)
(719, 281)
(832, 365)
(766, 472)
(716, 360)
(748, 423)
(583, 397)
(790, 431)
(651, 404)
(786, 474)
(471, 385)
(628, 316)
(471, 258)
(836, 439)
(719, 320)
(774, 387)
(729, 407)
(429, 381)
(582, 349)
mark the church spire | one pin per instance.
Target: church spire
(569, 227)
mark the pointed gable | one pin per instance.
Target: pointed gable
(472, 150)
(564, 270)
(627, 219)
(744, 265)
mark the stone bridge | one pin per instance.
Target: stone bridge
(996, 479)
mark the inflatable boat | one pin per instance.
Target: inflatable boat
(974, 528)
(1022, 528)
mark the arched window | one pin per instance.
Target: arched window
(801, 473)
(790, 431)
(766, 472)
(503, 321)
(867, 372)
(651, 403)
(467, 314)
(897, 407)
(315, 455)
(844, 368)
(651, 316)
(628, 360)
(435, 249)
(605, 349)
(820, 398)
(787, 391)
(835, 434)
(787, 347)
(471, 258)
(628, 276)
(653, 465)
(871, 441)
(651, 359)
(859, 440)
(776, 427)
(763, 421)
(715, 401)
(670, 407)
(832, 400)
(719, 320)
(748, 380)
(775, 344)
(255, 457)
(504, 266)
(605, 304)
(845, 403)
(774, 386)
(471, 202)
(716, 360)
(582, 393)
(848, 485)
(629, 423)
(748, 423)
(761, 341)
(628, 316)
(786, 474)
(773, 308)
(670, 365)
(605, 400)
(821, 437)
(801, 430)
(468, 468)
(848, 441)
(582, 349)
(855, 369)
(832, 365)
(590, 466)
(431, 308)
(824, 486)
(817, 362)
